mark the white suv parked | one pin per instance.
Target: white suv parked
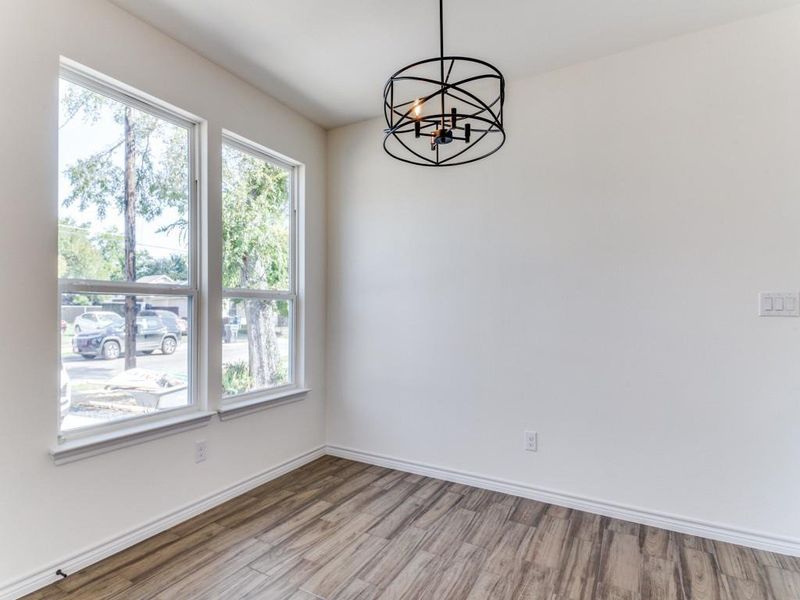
(95, 321)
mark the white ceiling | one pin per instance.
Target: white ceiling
(329, 59)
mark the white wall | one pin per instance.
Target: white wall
(48, 513)
(596, 280)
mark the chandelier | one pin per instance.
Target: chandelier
(444, 111)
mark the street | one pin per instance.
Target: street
(80, 369)
(99, 370)
(93, 404)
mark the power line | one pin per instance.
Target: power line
(120, 236)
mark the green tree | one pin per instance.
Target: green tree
(141, 188)
(174, 266)
(77, 255)
(111, 245)
(255, 241)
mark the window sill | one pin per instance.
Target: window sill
(79, 449)
(241, 408)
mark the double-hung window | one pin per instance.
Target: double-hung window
(259, 272)
(127, 234)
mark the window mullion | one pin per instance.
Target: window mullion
(67, 286)
(264, 294)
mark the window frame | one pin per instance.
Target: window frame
(295, 387)
(115, 90)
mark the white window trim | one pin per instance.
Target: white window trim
(78, 449)
(255, 400)
(91, 440)
(258, 400)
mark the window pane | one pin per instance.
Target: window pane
(256, 347)
(100, 381)
(123, 192)
(256, 228)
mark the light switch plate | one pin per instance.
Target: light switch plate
(779, 304)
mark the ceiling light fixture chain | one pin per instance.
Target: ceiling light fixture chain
(418, 136)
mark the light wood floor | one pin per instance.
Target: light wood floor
(338, 529)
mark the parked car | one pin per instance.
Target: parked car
(96, 321)
(151, 335)
(168, 318)
(66, 392)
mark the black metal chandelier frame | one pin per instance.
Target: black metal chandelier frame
(405, 120)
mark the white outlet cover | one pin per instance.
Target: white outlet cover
(530, 441)
(200, 451)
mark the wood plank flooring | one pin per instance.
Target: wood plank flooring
(341, 530)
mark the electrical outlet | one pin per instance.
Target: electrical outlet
(529, 442)
(200, 451)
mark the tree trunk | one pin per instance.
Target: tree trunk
(262, 341)
(130, 239)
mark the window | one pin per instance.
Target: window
(259, 271)
(126, 260)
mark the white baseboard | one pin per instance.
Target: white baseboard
(706, 529)
(46, 576)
